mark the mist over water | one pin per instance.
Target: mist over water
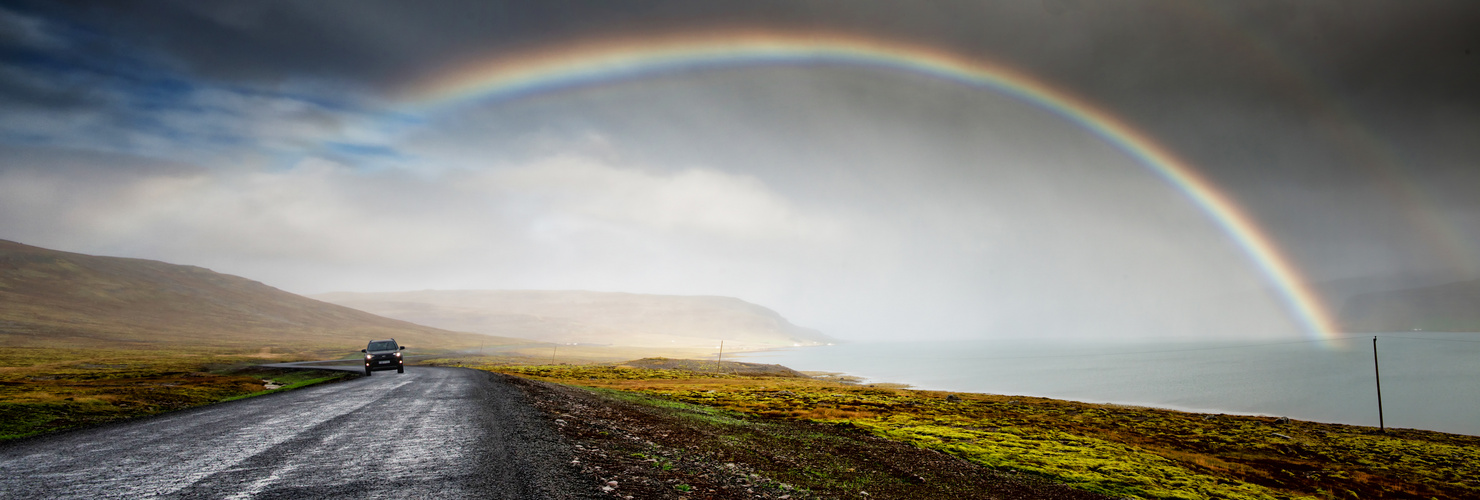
(1428, 379)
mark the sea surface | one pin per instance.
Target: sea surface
(1429, 380)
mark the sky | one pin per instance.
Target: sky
(295, 143)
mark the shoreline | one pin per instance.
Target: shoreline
(865, 381)
(1340, 398)
(1114, 449)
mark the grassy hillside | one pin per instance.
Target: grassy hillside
(55, 299)
(95, 339)
(623, 319)
(1454, 307)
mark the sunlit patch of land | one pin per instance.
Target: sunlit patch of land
(48, 389)
(591, 318)
(554, 354)
(1112, 449)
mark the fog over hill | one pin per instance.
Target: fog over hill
(1452, 307)
(586, 317)
(62, 299)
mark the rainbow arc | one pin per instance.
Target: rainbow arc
(583, 64)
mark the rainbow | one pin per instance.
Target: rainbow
(582, 64)
(1363, 147)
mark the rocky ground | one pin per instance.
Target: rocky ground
(639, 447)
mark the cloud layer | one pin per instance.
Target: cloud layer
(260, 139)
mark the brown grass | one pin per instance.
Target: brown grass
(59, 389)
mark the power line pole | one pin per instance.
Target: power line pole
(1378, 372)
(719, 365)
(554, 348)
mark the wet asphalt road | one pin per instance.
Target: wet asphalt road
(427, 433)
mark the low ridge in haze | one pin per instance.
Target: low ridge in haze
(60, 299)
(1453, 307)
(605, 318)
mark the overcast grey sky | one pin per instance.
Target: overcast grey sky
(264, 139)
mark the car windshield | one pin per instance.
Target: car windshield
(383, 346)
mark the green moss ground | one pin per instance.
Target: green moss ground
(1118, 450)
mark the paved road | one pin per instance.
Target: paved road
(427, 433)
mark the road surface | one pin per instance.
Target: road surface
(427, 433)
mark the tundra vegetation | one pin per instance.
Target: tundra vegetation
(51, 389)
(1116, 450)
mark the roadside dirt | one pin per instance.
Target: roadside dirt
(638, 448)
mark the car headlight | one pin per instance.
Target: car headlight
(368, 356)
(398, 354)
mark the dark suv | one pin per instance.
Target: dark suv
(383, 355)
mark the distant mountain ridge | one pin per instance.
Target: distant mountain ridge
(586, 317)
(54, 298)
(1452, 307)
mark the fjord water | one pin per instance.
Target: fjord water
(1429, 380)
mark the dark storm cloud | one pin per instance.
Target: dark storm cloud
(24, 89)
(1138, 53)
(1423, 50)
(28, 47)
(1254, 91)
(366, 42)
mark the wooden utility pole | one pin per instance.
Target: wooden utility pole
(719, 365)
(554, 348)
(1378, 372)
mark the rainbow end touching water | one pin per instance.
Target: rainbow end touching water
(578, 65)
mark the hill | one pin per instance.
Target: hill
(603, 318)
(1339, 291)
(1453, 307)
(50, 298)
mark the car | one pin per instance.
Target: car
(383, 355)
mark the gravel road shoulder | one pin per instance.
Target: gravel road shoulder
(641, 448)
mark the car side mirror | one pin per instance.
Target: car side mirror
(403, 348)
(362, 350)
